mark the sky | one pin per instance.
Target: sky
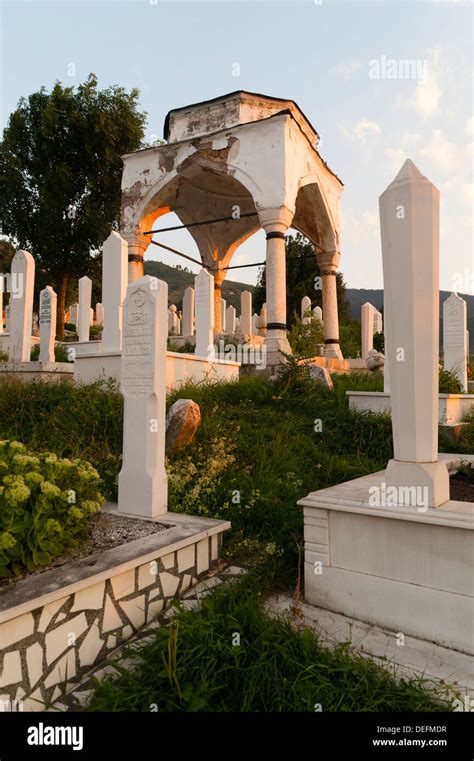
(380, 81)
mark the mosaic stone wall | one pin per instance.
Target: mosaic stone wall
(63, 639)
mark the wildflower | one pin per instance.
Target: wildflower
(50, 490)
(32, 478)
(16, 494)
(16, 446)
(7, 540)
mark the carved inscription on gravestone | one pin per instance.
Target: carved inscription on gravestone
(137, 372)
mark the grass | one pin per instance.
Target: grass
(230, 656)
(255, 455)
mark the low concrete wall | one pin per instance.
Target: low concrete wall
(29, 372)
(54, 626)
(179, 368)
(452, 408)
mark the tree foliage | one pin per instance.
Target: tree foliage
(60, 175)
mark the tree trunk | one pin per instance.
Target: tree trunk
(61, 306)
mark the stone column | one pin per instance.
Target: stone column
(143, 486)
(21, 306)
(85, 295)
(188, 312)
(47, 323)
(409, 218)
(230, 320)
(223, 307)
(2, 286)
(246, 313)
(204, 293)
(137, 245)
(276, 339)
(367, 311)
(114, 288)
(455, 345)
(328, 265)
(218, 276)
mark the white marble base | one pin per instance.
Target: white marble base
(405, 569)
(452, 408)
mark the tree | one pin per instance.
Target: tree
(60, 175)
(301, 271)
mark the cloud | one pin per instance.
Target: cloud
(346, 69)
(428, 92)
(364, 129)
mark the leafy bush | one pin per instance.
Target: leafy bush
(305, 338)
(379, 342)
(448, 382)
(70, 420)
(44, 505)
(61, 354)
(349, 338)
(70, 327)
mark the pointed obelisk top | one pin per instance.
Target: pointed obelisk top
(409, 171)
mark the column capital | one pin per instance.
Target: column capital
(328, 261)
(136, 239)
(276, 220)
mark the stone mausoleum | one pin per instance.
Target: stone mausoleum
(253, 161)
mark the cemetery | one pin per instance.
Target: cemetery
(255, 477)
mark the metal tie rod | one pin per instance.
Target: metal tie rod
(206, 222)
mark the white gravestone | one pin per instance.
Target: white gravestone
(262, 323)
(230, 320)
(255, 324)
(204, 294)
(85, 295)
(142, 481)
(378, 321)
(305, 306)
(47, 323)
(223, 313)
(318, 313)
(173, 321)
(21, 306)
(367, 328)
(188, 312)
(114, 288)
(409, 218)
(73, 314)
(99, 313)
(246, 313)
(455, 345)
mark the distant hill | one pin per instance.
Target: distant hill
(358, 296)
(179, 278)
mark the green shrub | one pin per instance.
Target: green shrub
(70, 420)
(3, 356)
(70, 327)
(379, 342)
(44, 505)
(305, 339)
(448, 382)
(60, 353)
